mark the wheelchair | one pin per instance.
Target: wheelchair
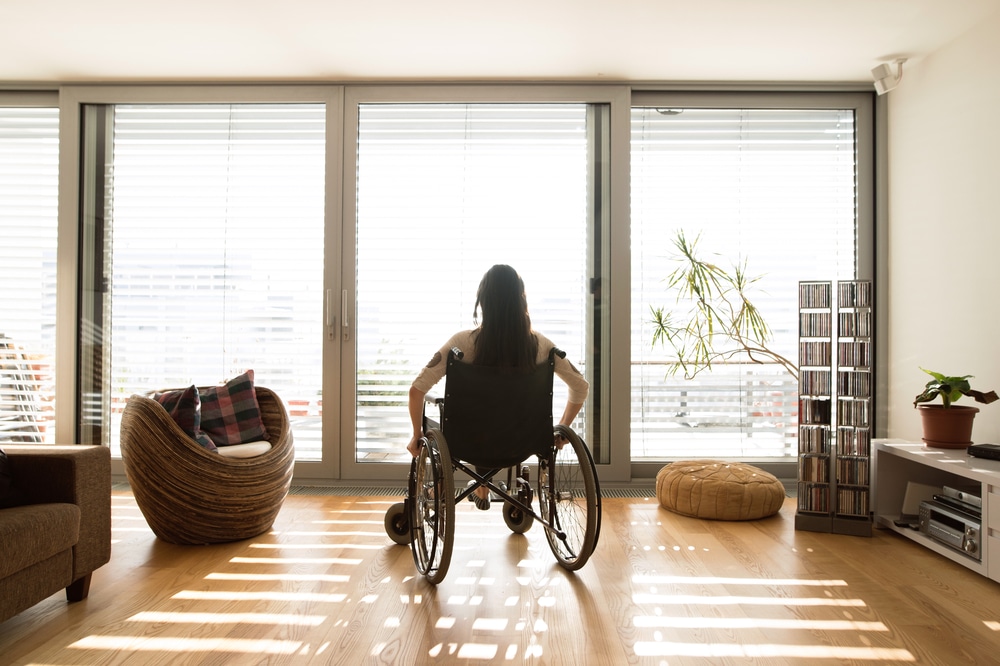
(492, 420)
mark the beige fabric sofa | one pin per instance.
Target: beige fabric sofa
(61, 532)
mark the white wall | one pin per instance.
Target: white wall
(944, 226)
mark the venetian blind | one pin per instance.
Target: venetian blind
(29, 175)
(217, 259)
(444, 192)
(776, 187)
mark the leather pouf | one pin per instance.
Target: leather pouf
(718, 490)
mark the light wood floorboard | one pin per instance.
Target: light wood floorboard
(326, 586)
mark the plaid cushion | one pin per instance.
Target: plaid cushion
(184, 407)
(230, 413)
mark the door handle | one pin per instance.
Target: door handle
(343, 315)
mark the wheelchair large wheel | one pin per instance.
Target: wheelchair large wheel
(432, 511)
(570, 500)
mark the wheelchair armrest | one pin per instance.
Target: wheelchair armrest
(429, 423)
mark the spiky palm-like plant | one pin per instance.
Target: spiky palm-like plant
(714, 319)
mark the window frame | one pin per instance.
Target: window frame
(48, 99)
(865, 203)
(72, 100)
(340, 205)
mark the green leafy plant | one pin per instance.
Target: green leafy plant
(950, 389)
(714, 319)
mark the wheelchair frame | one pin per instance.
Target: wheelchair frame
(569, 497)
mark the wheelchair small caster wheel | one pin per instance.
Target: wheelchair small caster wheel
(517, 520)
(397, 524)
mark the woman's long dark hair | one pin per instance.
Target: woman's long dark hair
(505, 338)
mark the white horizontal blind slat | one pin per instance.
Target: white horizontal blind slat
(776, 187)
(218, 251)
(29, 175)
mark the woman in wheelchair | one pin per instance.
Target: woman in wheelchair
(497, 414)
(503, 339)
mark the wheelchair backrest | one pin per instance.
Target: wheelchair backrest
(497, 417)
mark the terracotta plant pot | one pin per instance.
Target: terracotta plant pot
(947, 428)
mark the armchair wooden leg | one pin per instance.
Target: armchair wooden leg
(78, 589)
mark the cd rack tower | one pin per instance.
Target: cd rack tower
(835, 407)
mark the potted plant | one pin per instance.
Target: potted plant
(949, 426)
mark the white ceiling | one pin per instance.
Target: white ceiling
(567, 40)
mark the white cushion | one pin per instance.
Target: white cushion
(248, 450)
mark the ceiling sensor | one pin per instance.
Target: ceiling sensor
(885, 78)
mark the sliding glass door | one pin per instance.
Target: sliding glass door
(210, 247)
(444, 191)
(207, 248)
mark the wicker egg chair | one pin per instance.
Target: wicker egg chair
(193, 496)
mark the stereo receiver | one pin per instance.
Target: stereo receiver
(955, 529)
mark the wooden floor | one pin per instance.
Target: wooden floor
(328, 587)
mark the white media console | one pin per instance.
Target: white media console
(898, 464)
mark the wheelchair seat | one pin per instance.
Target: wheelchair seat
(490, 419)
